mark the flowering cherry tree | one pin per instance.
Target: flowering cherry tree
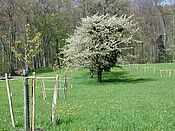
(100, 42)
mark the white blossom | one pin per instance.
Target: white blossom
(100, 41)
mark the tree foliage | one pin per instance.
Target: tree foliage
(28, 48)
(100, 42)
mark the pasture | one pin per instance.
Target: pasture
(128, 99)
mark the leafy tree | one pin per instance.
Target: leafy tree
(100, 43)
(27, 48)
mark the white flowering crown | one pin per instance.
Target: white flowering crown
(100, 41)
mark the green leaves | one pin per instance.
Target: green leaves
(30, 47)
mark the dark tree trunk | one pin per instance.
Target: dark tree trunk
(142, 60)
(91, 74)
(57, 52)
(34, 63)
(133, 53)
(12, 70)
(99, 75)
(12, 36)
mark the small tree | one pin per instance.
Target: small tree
(28, 47)
(100, 43)
(25, 49)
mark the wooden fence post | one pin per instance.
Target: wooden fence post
(154, 72)
(65, 87)
(10, 100)
(43, 89)
(54, 103)
(33, 102)
(161, 75)
(170, 74)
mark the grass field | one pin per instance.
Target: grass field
(126, 100)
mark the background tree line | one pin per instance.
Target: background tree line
(55, 19)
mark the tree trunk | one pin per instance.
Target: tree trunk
(57, 52)
(91, 73)
(34, 63)
(99, 75)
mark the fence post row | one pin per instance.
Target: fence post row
(165, 73)
(27, 125)
(149, 70)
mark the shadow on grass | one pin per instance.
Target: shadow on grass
(127, 80)
(123, 77)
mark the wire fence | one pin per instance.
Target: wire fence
(43, 107)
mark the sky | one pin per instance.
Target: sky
(169, 2)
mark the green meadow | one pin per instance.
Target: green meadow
(128, 99)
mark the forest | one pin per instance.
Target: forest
(53, 21)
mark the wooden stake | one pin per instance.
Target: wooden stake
(170, 73)
(10, 100)
(161, 76)
(54, 103)
(58, 89)
(33, 103)
(154, 71)
(65, 88)
(43, 89)
(173, 73)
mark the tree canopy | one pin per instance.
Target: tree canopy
(100, 42)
